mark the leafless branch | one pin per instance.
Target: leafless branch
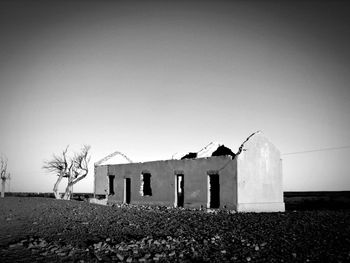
(4, 175)
(81, 164)
(58, 164)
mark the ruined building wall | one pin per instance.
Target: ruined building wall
(164, 184)
(100, 180)
(259, 169)
(251, 182)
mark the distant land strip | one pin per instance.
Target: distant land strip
(294, 200)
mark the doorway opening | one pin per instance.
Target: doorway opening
(127, 190)
(111, 184)
(213, 190)
(179, 190)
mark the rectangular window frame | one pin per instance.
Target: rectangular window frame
(111, 184)
(145, 183)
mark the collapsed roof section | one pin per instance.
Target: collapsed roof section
(242, 145)
(216, 149)
(212, 149)
(114, 158)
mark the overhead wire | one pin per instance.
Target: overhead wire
(319, 150)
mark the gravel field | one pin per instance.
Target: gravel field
(34, 229)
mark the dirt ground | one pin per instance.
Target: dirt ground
(34, 229)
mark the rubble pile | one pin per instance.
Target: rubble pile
(48, 230)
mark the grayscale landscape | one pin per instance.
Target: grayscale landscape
(174, 131)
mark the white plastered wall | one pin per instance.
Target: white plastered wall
(259, 177)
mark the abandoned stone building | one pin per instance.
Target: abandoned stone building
(248, 181)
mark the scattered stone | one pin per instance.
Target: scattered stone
(42, 244)
(54, 249)
(156, 243)
(15, 245)
(180, 235)
(31, 246)
(98, 257)
(120, 257)
(98, 245)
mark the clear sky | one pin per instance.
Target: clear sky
(152, 78)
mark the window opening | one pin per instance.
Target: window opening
(111, 184)
(180, 195)
(146, 189)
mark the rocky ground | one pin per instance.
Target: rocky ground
(46, 230)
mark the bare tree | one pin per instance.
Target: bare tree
(4, 175)
(58, 165)
(74, 169)
(79, 170)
